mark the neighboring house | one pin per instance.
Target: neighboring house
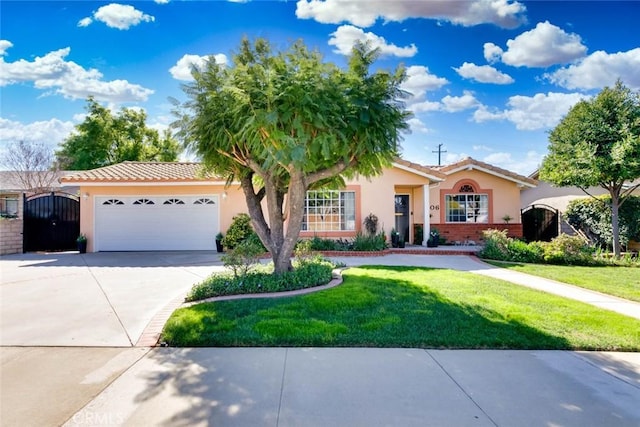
(558, 197)
(171, 206)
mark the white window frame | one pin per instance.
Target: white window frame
(472, 207)
(329, 210)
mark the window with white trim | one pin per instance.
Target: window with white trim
(467, 206)
(329, 210)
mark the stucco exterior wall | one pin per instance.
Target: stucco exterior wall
(378, 195)
(232, 201)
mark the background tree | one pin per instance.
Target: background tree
(104, 139)
(30, 164)
(285, 122)
(598, 144)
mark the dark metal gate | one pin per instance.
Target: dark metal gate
(51, 222)
(539, 223)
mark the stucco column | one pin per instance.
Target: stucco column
(427, 203)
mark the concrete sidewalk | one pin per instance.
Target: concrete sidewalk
(370, 387)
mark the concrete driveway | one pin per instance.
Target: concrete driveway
(97, 299)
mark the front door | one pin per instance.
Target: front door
(402, 215)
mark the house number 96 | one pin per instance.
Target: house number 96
(434, 207)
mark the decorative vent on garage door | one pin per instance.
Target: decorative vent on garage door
(113, 202)
(173, 202)
(204, 202)
(144, 202)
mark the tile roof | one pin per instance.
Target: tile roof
(420, 168)
(141, 172)
(469, 163)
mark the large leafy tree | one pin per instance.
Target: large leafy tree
(104, 139)
(284, 122)
(598, 144)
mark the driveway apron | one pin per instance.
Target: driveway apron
(98, 299)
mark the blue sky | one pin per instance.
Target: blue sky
(488, 78)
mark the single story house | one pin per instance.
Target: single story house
(171, 206)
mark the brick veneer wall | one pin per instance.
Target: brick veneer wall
(471, 231)
(10, 236)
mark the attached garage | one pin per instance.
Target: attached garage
(154, 206)
(147, 223)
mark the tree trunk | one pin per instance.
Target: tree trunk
(615, 223)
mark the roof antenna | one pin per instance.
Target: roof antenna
(440, 151)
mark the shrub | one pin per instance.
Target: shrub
(238, 231)
(369, 243)
(244, 256)
(520, 251)
(312, 272)
(496, 245)
(593, 217)
(564, 249)
(320, 244)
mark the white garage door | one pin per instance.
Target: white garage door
(153, 223)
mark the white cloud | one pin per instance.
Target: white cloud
(4, 45)
(543, 46)
(118, 16)
(417, 125)
(483, 74)
(420, 80)
(182, 69)
(523, 165)
(600, 69)
(532, 112)
(85, 22)
(346, 36)
(453, 104)
(481, 148)
(69, 79)
(50, 132)
(424, 106)
(492, 52)
(503, 13)
(161, 1)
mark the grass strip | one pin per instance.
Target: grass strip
(381, 306)
(623, 282)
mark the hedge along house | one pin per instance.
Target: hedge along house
(474, 197)
(136, 206)
(139, 206)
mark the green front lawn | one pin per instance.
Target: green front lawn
(623, 282)
(407, 307)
